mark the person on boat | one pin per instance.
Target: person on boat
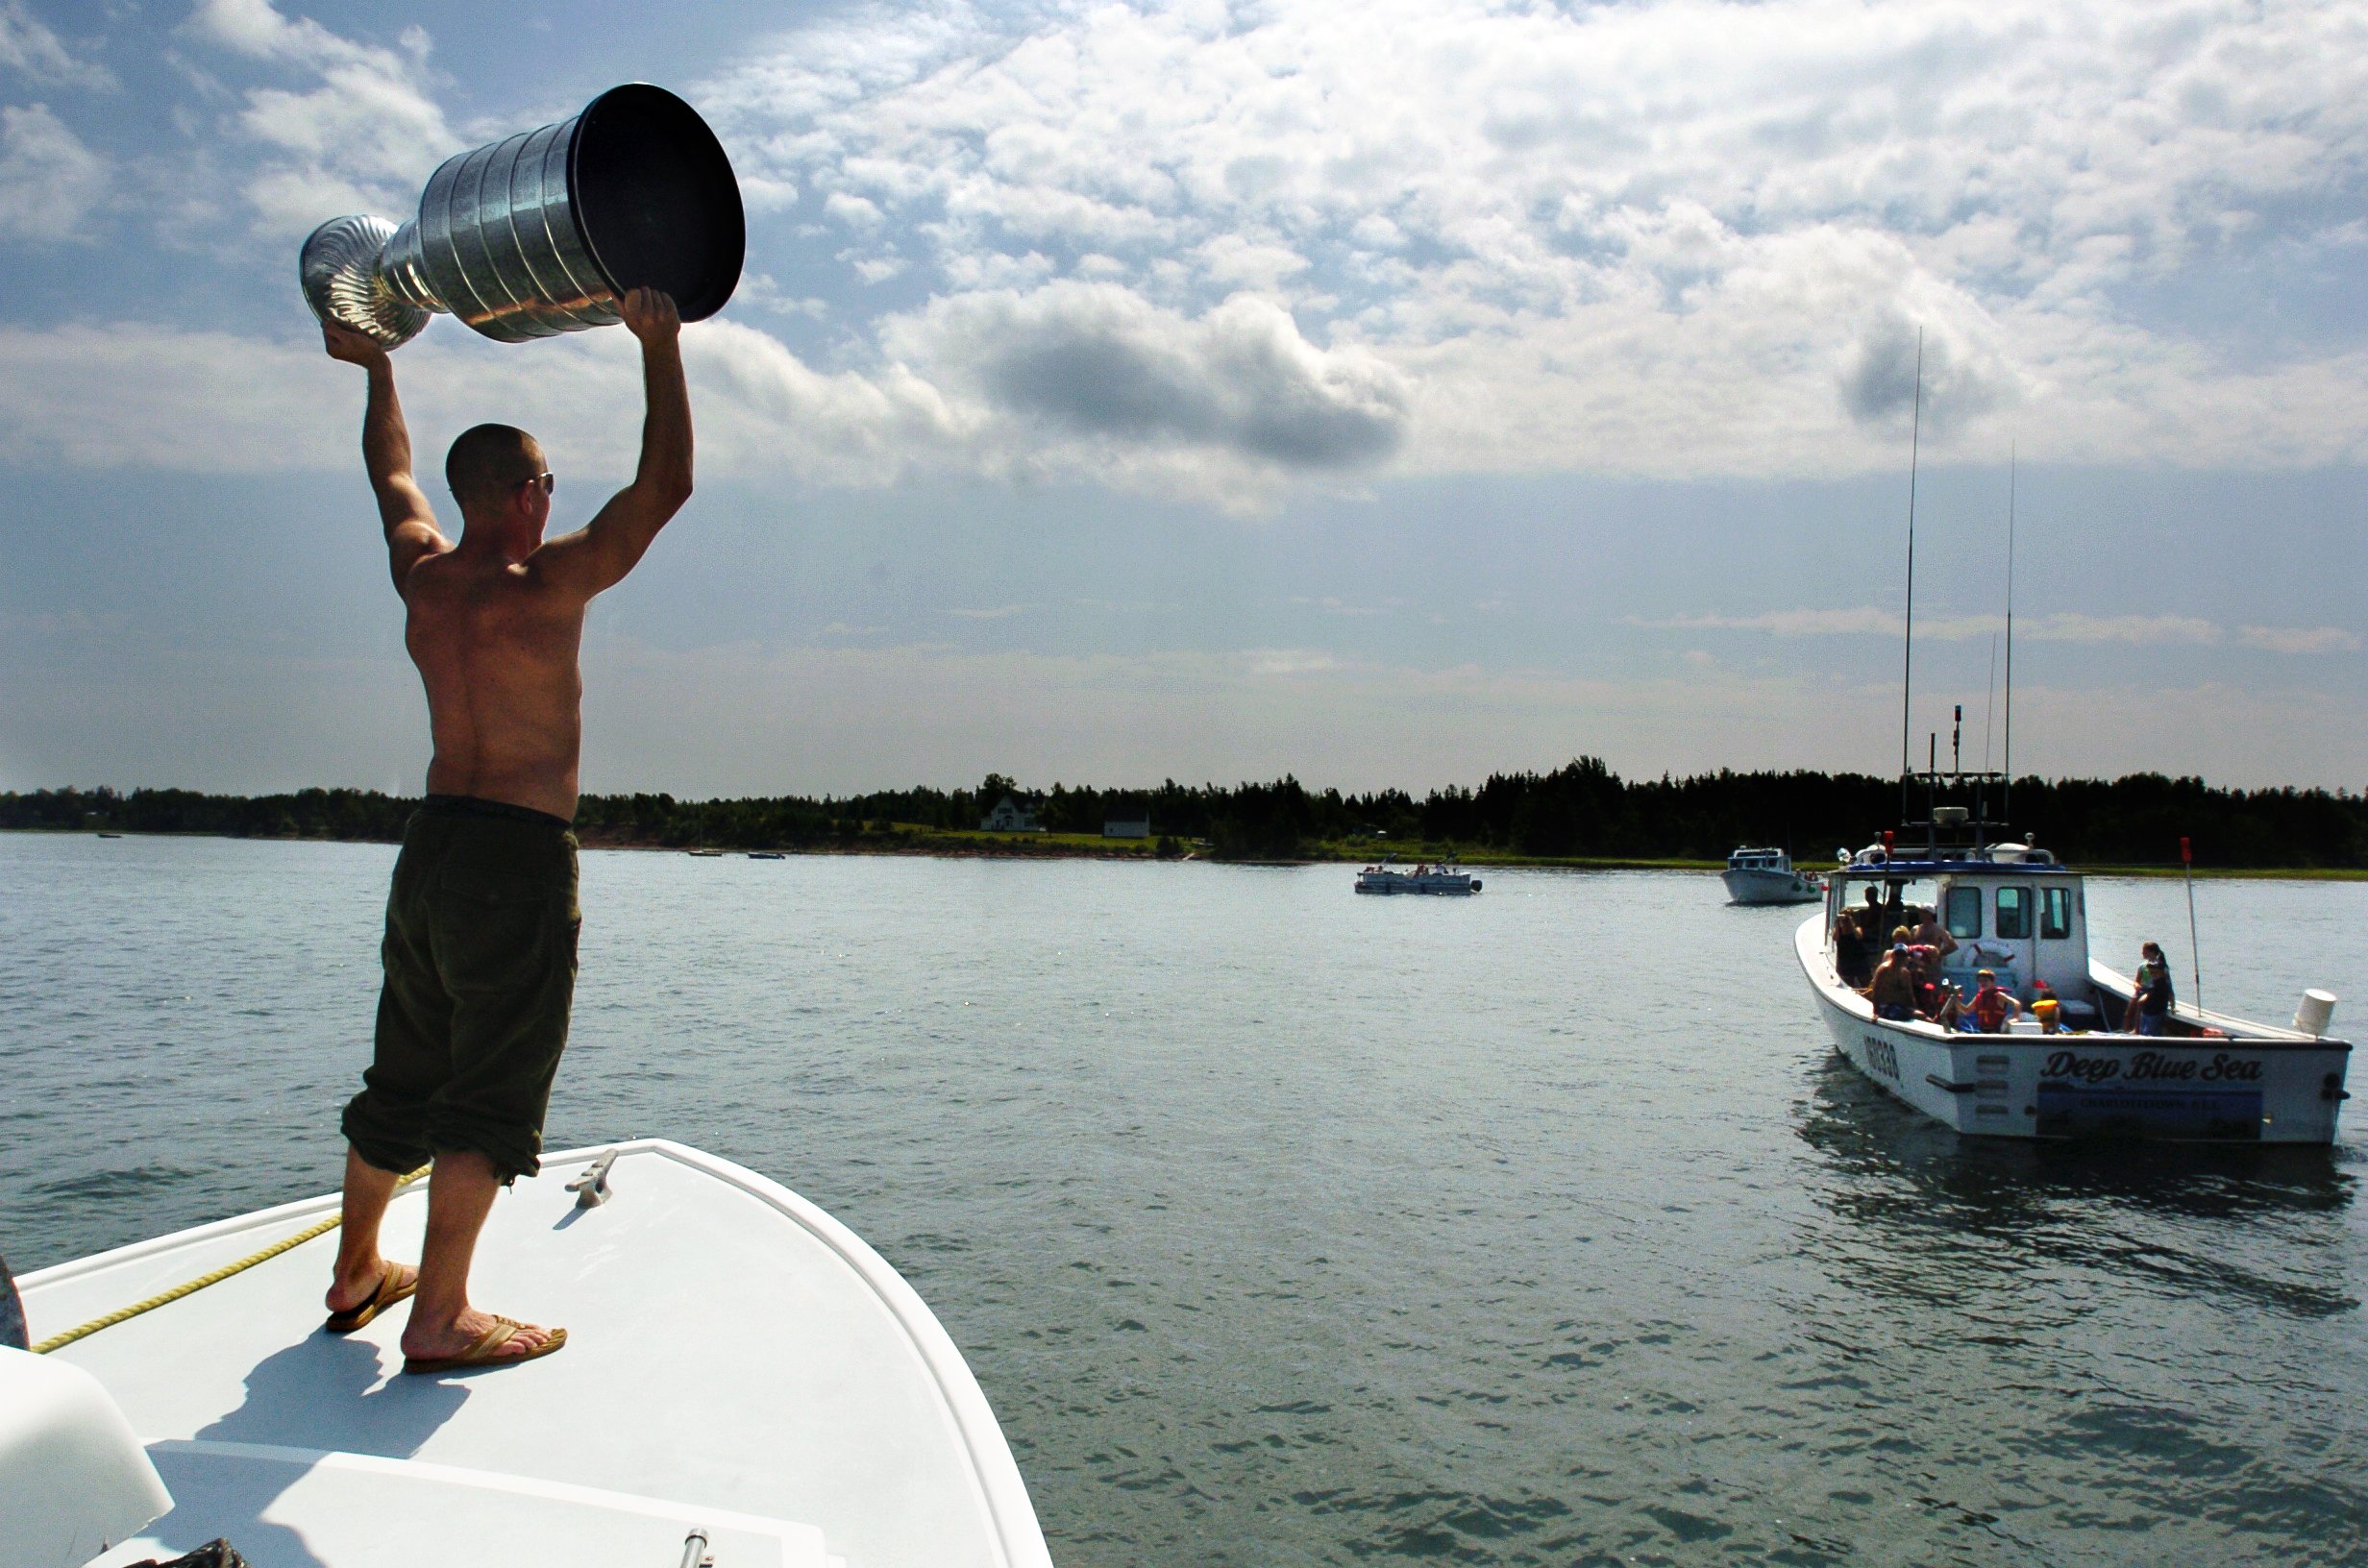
(1934, 997)
(480, 951)
(1892, 986)
(1931, 933)
(1850, 951)
(1992, 1004)
(1873, 940)
(2150, 1009)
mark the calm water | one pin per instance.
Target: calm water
(1288, 1227)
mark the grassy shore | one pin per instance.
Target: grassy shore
(916, 838)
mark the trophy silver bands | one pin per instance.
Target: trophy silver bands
(545, 231)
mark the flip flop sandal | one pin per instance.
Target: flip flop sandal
(481, 1354)
(384, 1296)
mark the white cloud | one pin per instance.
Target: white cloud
(1069, 381)
(2068, 626)
(27, 46)
(364, 139)
(2300, 639)
(997, 612)
(49, 181)
(189, 402)
(852, 210)
(2137, 631)
(1215, 255)
(1108, 379)
(1677, 238)
(745, 717)
(216, 403)
(1865, 619)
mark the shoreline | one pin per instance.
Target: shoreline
(942, 844)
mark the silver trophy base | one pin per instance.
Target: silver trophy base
(344, 282)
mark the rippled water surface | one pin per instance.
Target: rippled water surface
(1283, 1226)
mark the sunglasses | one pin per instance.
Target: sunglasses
(546, 479)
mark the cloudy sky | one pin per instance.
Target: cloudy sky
(1388, 394)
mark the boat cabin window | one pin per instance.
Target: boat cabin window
(1965, 913)
(2055, 912)
(2013, 914)
(1894, 897)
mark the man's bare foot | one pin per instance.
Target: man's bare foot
(351, 1291)
(430, 1342)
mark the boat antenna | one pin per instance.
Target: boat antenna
(2006, 804)
(1907, 665)
(1990, 708)
(2195, 956)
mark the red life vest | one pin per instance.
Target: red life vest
(1990, 1008)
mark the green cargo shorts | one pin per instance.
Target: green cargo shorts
(480, 968)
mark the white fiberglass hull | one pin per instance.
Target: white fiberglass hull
(1765, 887)
(737, 1361)
(2264, 1085)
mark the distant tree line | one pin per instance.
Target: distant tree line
(1581, 811)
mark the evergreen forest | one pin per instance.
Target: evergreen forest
(1582, 811)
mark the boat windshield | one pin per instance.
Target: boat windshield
(1903, 899)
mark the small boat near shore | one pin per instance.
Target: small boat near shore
(744, 1380)
(1768, 876)
(1444, 878)
(2015, 910)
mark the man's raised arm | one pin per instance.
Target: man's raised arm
(613, 542)
(403, 511)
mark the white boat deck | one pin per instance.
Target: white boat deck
(736, 1359)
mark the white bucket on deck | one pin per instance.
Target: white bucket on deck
(2318, 1007)
(73, 1479)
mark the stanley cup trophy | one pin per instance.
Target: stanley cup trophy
(544, 232)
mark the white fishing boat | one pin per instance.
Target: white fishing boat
(1444, 878)
(1768, 876)
(744, 1380)
(2014, 909)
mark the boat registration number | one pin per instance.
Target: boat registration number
(1881, 1057)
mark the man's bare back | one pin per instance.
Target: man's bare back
(481, 941)
(495, 621)
(497, 649)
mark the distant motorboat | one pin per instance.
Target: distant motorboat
(706, 854)
(767, 854)
(1766, 876)
(1445, 878)
(2075, 1058)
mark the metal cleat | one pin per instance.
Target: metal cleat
(591, 1189)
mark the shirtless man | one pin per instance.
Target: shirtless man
(1931, 933)
(480, 950)
(1892, 987)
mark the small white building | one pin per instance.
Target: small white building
(1010, 815)
(1126, 827)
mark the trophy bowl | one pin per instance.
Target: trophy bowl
(544, 232)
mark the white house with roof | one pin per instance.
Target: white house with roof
(1011, 815)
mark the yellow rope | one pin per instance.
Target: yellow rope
(126, 1314)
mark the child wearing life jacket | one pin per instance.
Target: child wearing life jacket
(1992, 1004)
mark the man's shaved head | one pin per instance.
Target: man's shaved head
(489, 461)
